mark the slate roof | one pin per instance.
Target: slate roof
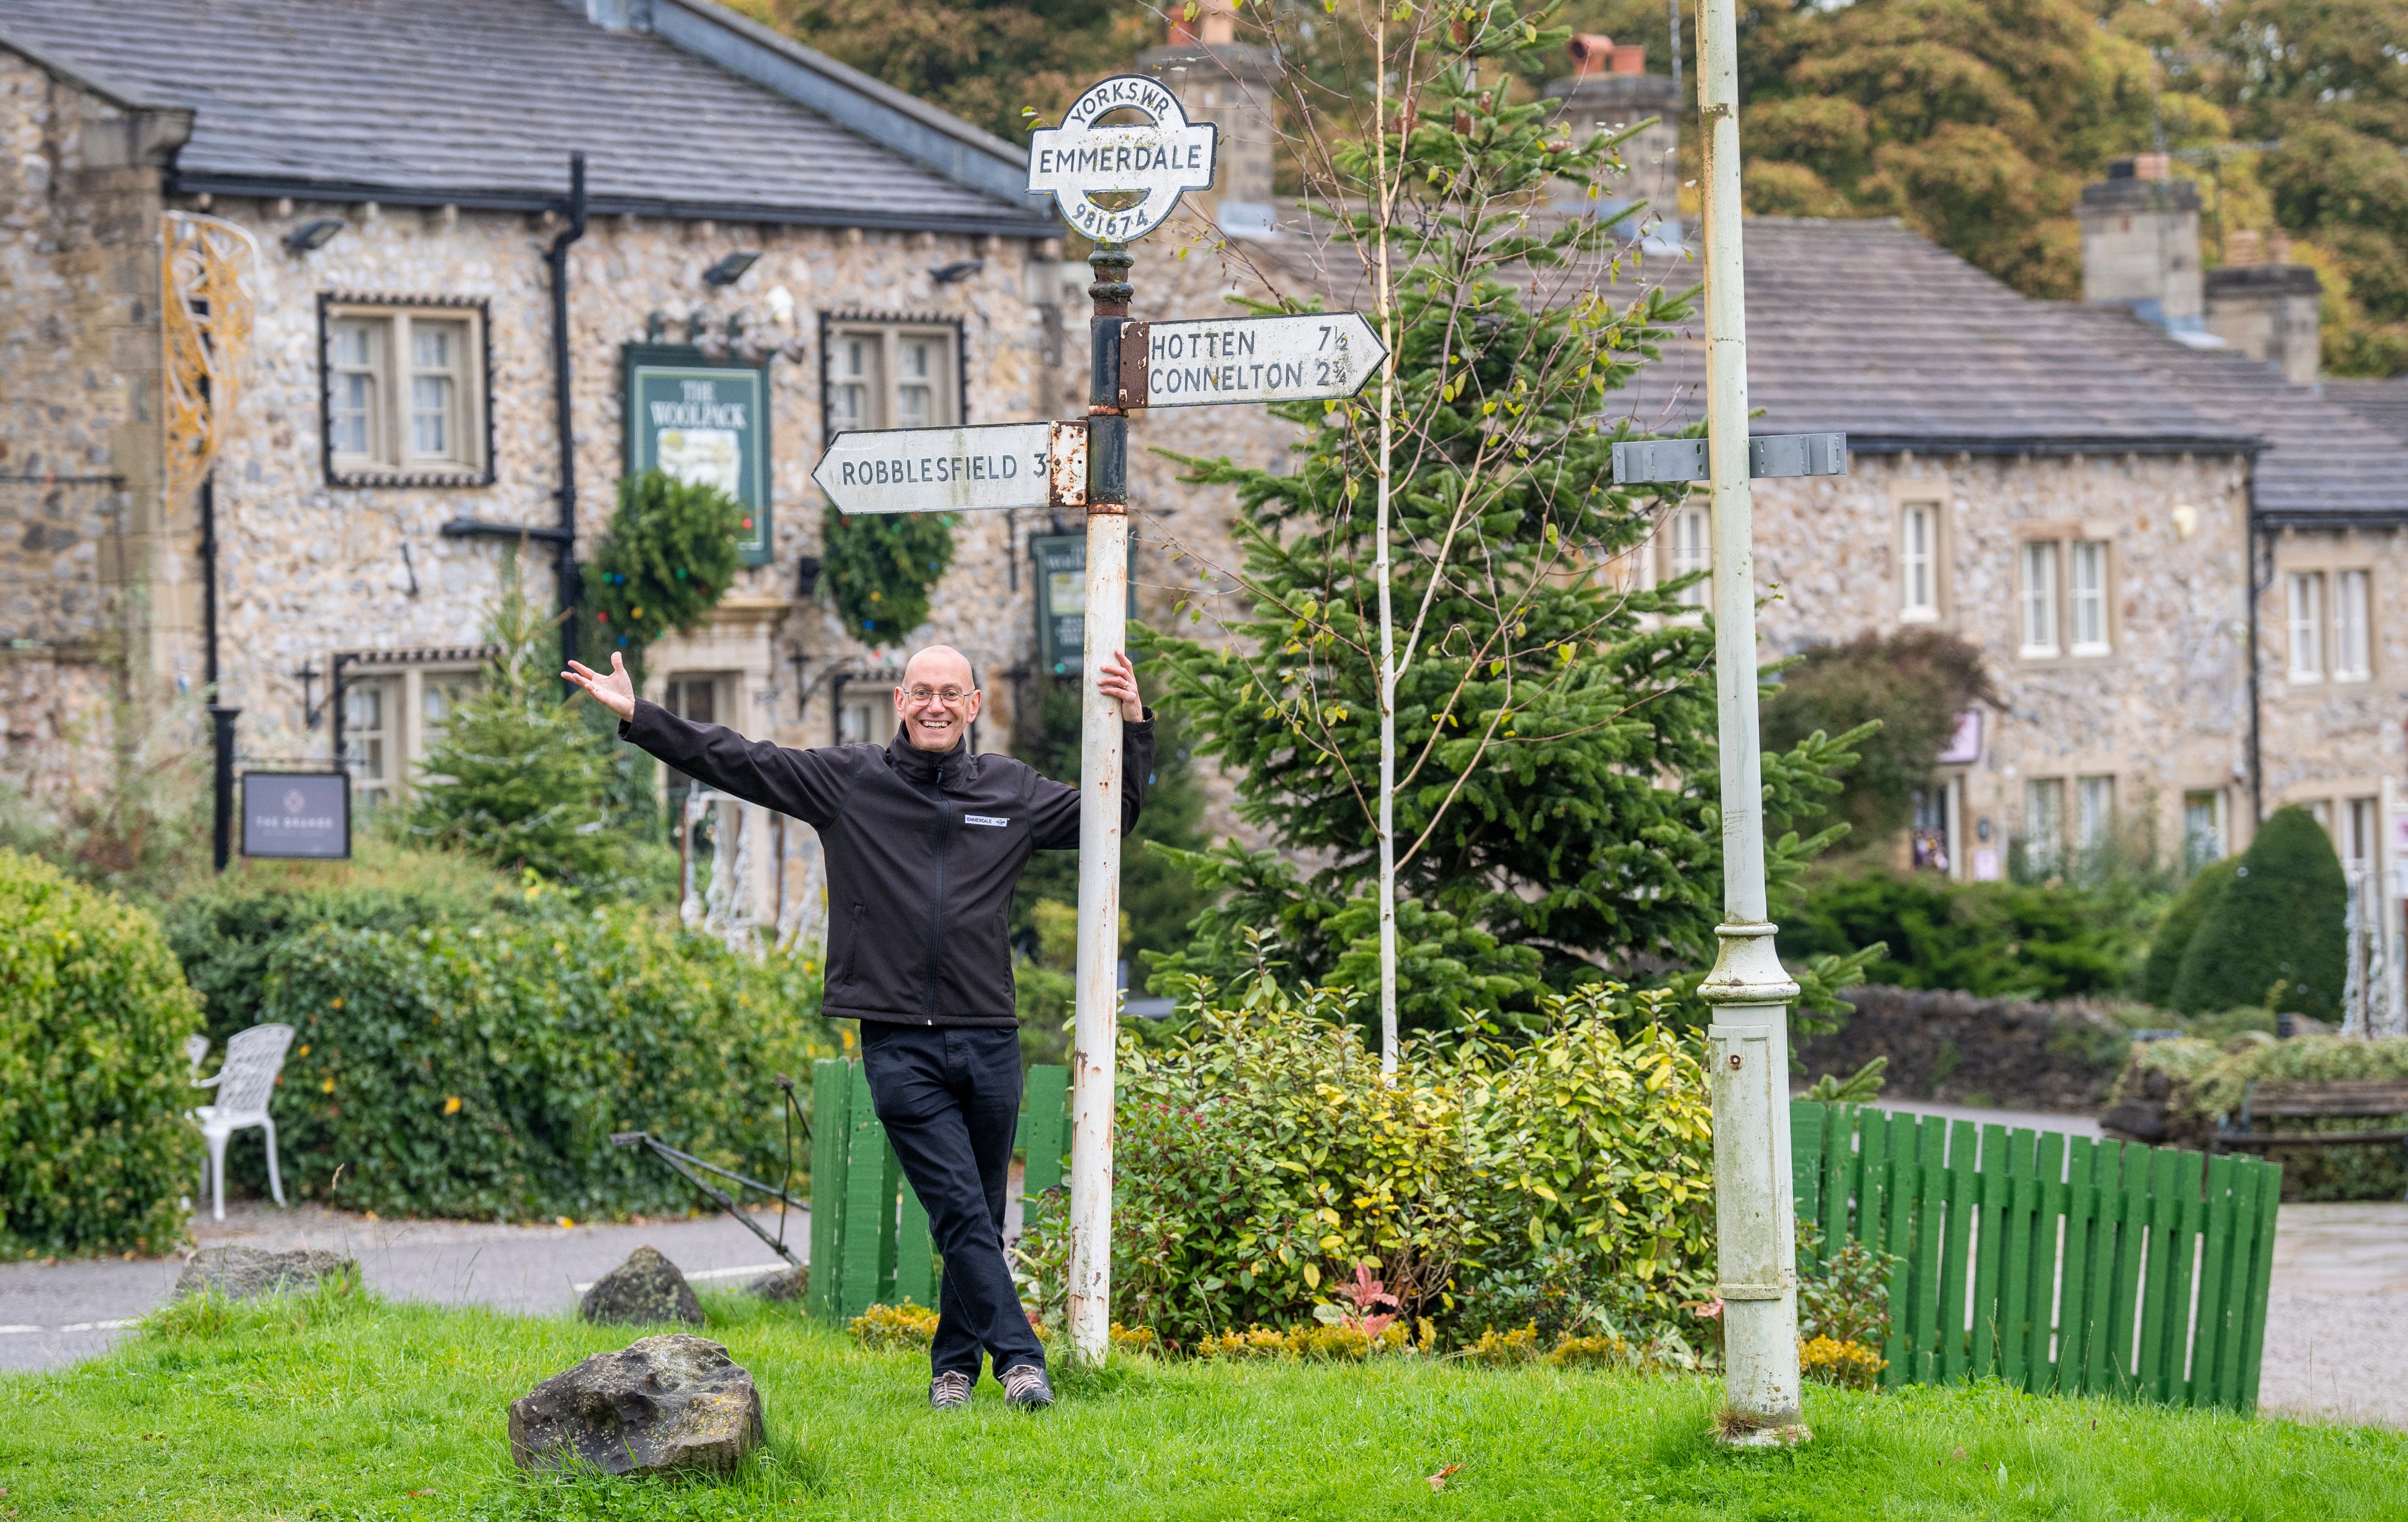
(479, 103)
(2382, 403)
(2323, 466)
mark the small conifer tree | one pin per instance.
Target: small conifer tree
(521, 777)
(2279, 921)
(2181, 924)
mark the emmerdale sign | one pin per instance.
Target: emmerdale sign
(1160, 160)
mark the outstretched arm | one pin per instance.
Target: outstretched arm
(808, 785)
(1057, 825)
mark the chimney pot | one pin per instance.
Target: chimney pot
(2278, 246)
(1592, 53)
(2243, 248)
(1630, 58)
(2153, 166)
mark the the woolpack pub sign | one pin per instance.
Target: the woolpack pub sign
(702, 420)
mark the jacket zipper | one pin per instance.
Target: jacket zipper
(937, 914)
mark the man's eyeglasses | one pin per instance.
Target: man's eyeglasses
(950, 696)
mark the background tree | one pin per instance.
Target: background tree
(2279, 920)
(524, 779)
(2182, 922)
(1913, 683)
(1556, 809)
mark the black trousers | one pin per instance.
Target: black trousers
(950, 1100)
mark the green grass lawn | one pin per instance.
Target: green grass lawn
(340, 1407)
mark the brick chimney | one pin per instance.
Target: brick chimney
(1610, 87)
(2264, 306)
(1220, 80)
(2140, 244)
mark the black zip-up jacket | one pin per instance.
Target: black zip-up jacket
(922, 851)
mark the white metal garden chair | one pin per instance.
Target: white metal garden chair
(245, 1082)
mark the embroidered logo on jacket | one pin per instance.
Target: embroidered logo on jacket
(984, 818)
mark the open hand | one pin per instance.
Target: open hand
(1118, 679)
(614, 692)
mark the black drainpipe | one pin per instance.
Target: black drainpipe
(2257, 591)
(556, 259)
(221, 717)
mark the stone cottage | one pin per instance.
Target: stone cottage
(448, 350)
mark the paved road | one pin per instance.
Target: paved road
(55, 1314)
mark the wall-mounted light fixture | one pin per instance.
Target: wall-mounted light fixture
(957, 271)
(313, 235)
(731, 269)
(806, 577)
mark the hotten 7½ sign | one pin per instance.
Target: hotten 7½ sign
(1159, 160)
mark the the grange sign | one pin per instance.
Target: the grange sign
(1316, 357)
(1159, 160)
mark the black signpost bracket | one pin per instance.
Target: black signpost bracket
(1770, 456)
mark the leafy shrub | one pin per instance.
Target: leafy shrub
(904, 1326)
(1828, 1360)
(2200, 1082)
(1999, 940)
(1915, 683)
(1263, 1163)
(1321, 1343)
(479, 1069)
(94, 1013)
(667, 559)
(225, 932)
(2279, 920)
(1842, 1294)
(2174, 933)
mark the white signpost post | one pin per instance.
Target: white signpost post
(1314, 357)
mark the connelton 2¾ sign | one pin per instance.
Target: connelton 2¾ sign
(1321, 356)
(1160, 161)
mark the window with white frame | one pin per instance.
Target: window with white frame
(2307, 626)
(2361, 817)
(1690, 547)
(371, 741)
(2044, 823)
(2039, 597)
(406, 392)
(2088, 605)
(2353, 635)
(2093, 811)
(892, 375)
(2203, 827)
(1918, 562)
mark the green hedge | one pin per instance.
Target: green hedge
(479, 1069)
(93, 1014)
(1996, 940)
(2279, 921)
(2199, 1081)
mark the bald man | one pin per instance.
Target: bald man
(924, 843)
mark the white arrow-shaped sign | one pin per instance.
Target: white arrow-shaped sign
(1317, 356)
(946, 470)
(1160, 160)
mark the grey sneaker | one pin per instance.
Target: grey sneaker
(1026, 1388)
(950, 1391)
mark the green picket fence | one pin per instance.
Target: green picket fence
(869, 1233)
(2054, 1262)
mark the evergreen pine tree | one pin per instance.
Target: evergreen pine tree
(2181, 924)
(521, 777)
(2279, 921)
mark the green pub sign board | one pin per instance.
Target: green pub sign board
(703, 421)
(1061, 561)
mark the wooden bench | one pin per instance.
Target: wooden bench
(2341, 1097)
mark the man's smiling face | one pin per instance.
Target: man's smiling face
(931, 719)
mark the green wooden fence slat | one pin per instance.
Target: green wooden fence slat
(1898, 1234)
(1932, 1165)
(1807, 1118)
(1873, 1179)
(1840, 1173)
(2174, 1375)
(2261, 1276)
(2246, 1178)
(2074, 1316)
(2215, 1313)
(1044, 1115)
(2157, 1283)
(1964, 1192)
(2040, 1302)
(869, 1206)
(831, 1125)
(2015, 1263)
(2131, 1265)
(2106, 1267)
(1993, 1230)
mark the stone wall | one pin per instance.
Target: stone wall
(1959, 1049)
